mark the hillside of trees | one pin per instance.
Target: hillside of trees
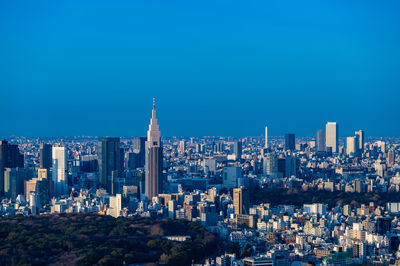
(88, 239)
(299, 197)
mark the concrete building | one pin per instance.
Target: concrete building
(59, 174)
(332, 136)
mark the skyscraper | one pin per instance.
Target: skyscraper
(270, 163)
(332, 136)
(10, 157)
(352, 146)
(45, 156)
(290, 142)
(241, 200)
(235, 148)
(321, 141)
(266, 137)
(59, 176)
(154, 158)
(360, 134)
(139, 149)
(109, 156)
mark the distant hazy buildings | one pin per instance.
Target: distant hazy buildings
(332, 136)
(154, 158)
(110, 160)
(59, 155)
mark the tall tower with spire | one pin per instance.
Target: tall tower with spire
(154, 158)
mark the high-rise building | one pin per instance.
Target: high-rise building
(321, 141)
(59, 174)
(266, 137)
(291, 166)
(270, 163)
(14, 182)
(391, 158)
(139, 150)
(115, 205)
(10, 157)
(235, 149)
(352, 146)
(182, 146)
(45, 157)
(241, 200)
(361, 139)
(332, 136)
(109, 156)
(230, 176)
(154, 158)
(290, 142)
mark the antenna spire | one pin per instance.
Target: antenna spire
(154, 102)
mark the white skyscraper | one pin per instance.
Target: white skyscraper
(266, 137)
(332, 136)
(59, 154)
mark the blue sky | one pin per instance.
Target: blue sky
(215, 67)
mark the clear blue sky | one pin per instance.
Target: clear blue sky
(216, 67)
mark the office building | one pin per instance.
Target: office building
(34, 202)
(361, 139)
(291, 166)
(241, 200)
(115, 205)
(30, 186)
(59, 173)
(14, 182)
(10, 157)
(45, 157)
(290, 142)
(139, 149)
(266, 138)
(391, 158)
(235, 149)
(230, 176)
(332, 137)
(154, 158)
(321, 141)
(182, 146)
(352, 146)
(109, 156)
(270, 163)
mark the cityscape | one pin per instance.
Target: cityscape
(247, 191)
(205, 133)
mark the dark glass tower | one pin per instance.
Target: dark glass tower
(139, 149)
(45, 156)
(10, 157)
(290, 142)
(109, 156)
